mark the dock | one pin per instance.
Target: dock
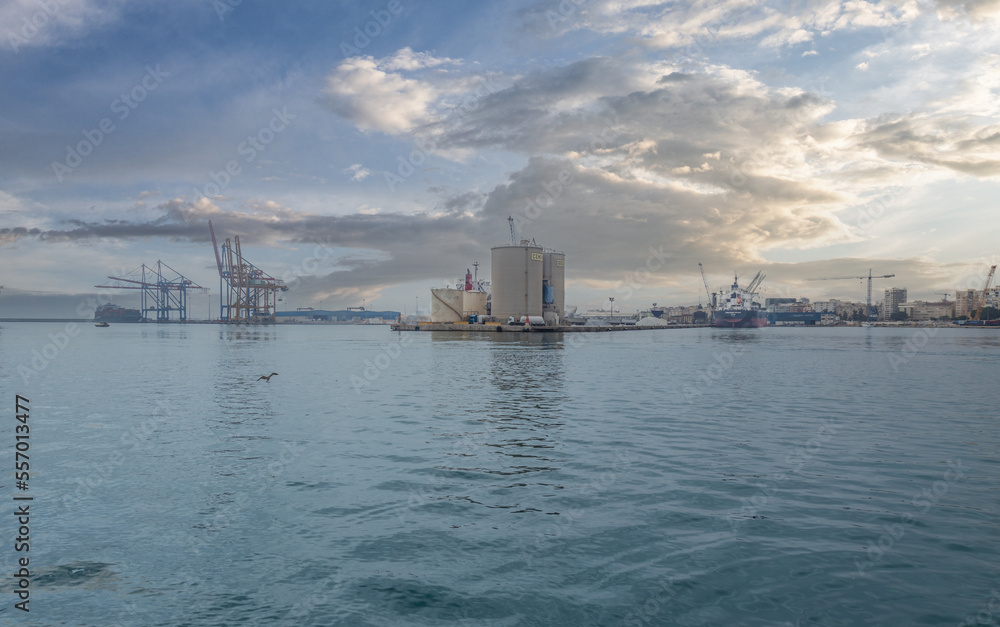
(496, 327)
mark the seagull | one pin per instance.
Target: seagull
(267, 377)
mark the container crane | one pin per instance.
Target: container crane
(868, 302)
(161, 293)
(981, 302)
(246, 293)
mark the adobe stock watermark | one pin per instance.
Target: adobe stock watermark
(375, 367)
(42, 357)
(986, 615)
(798, 458)
(59, 341)
(554, 188)
(712, 374)
(424, 147)
(35, 23)
(364, 34)
(653, 606)
(565, 10)
(122, 106)
(561, 525)
(135, 438)
(911, 347)
(875, 209)
(249, 149)
(225, 7)
(263, 478)
(923, 501)
(655, 261)
(713, 29)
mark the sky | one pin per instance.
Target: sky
(367, 151)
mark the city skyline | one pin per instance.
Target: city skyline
(373, 151)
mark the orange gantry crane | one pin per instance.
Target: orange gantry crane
(981, 301)
(246, 293)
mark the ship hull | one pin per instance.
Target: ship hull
(740, 319)
(114, 313)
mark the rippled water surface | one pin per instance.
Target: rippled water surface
(670, 477)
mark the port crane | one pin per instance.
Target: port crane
(981, 301)
(246, 293)
(755, 283)
(161, 292)
(708, 292)
(868, 301)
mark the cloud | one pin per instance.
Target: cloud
(697, 26)
(358, 172)
(401, 242)
(938, 141)
(979, 10)
(374, 94)
(408, 60)
(30, 23)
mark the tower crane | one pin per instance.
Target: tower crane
(981, 302)
(868, 302)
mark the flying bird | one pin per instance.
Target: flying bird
(267, 377)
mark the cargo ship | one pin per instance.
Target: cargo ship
(739, 310)
(114, 313)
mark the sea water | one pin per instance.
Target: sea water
(776, 476)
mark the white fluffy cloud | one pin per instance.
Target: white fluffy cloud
(375, 95)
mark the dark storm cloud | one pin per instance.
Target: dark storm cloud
(413, 247)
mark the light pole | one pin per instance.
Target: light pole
(416, 308)
(612, 299)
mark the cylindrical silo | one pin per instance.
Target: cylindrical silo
(516, 281)
(554, 285)
(474, 303)
(447, 305)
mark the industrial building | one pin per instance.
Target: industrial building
(355, 316)
(450, 305)
(798, 318)
(922, 311)
(528, 281)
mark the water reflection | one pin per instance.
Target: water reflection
(502, 415)
(237, 396)
(737, 336)
(247, 332)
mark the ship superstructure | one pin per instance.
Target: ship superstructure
(738, 309)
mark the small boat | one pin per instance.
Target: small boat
(102, 324)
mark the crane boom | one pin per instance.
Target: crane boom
(708, 293)
(868, 302)
(215, 248)
(755, 282)
(981, 302)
